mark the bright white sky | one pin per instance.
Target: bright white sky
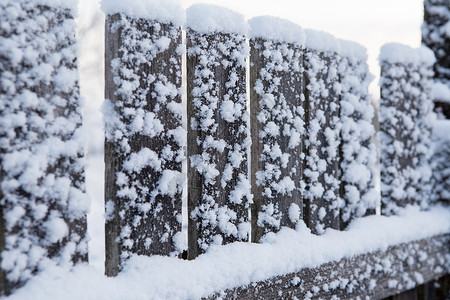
(371, 23)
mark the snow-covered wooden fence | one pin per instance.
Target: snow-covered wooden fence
(300, 149)
(309, 122)
(43, 203)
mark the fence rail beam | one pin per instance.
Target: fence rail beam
(376, 275)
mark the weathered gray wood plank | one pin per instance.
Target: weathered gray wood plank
(144, 139)
(218, 186)
(321, 162)
(358, 153)
(368, 276)
(405, 107)
(277, 128)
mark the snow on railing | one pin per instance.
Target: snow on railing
(43, 202)
(306, 133)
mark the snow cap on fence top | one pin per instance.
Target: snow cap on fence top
(441, 92)
(321, 41)
(70, 4)
(167, 11)
(440, 131)
(398, 53)
(276, 29)
(207, 18)
(352, 50)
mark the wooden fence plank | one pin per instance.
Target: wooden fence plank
(43, 202)
(321, 163)
(276, 95)
(434, 36)
(358, 153)
(401, 143)
(367, 276)
(218, 186)
(144, 139)
(441, 161)
(424, 147)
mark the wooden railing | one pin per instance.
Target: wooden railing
(302, 149)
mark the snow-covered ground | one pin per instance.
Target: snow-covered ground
(236, 264)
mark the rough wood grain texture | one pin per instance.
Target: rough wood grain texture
(218, 187)
(368, 276)
(321, 162)
(144, 139)
(276, 100)
(43, 201)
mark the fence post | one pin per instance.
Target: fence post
(42, 196)
(401, 127)
(144, 134)
(321, 163)
(423, 77)
(434, 36)
(358, 153)
(441, 161)
(218, 186)
(277, 127)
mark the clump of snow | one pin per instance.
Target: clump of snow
(441, 91)
(207, 18)
(167, 11)
(398, 53)
(321, 41)
(441, 160)
(276, 29)
(239, 264)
